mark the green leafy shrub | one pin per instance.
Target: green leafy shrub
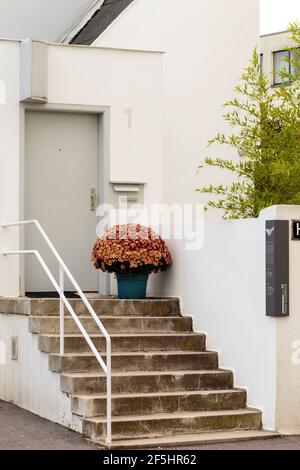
(265, 125)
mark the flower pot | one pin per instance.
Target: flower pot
(132, 286)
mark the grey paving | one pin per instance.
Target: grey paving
(280, 443)
(21, 430)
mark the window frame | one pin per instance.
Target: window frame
(275, 72)
(261, 62)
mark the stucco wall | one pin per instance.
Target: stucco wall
(128, 83)
(288, 337)
(271, 43)
(27, 381)
(207, 44)
(9, 162)
(222, 286)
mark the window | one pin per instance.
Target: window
(282, 63)
(261, 63)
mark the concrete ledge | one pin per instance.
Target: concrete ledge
(15, 306)
(106, 305)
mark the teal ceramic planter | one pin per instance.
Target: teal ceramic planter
(132, 286)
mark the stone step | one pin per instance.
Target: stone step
(205, 438)
(170, 424)
(104, 306)
(126, 342)
(167, 389)
(50, 324)
(147, 382)
(137, 361)
(90, 406)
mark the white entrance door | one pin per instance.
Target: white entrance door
(61, 170)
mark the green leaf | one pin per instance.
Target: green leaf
(266, 134)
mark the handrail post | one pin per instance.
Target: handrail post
(108, 393)
(61, 312)
(63, 302)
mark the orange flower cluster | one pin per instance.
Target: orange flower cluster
(131, 249)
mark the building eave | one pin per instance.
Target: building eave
(81, 22)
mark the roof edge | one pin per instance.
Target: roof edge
(111, 25)
(274, 34)
(101, 21)
(81, 21)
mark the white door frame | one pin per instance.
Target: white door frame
(103, 113)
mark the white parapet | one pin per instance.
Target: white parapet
(223, 286)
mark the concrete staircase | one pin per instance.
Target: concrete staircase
(167, 388)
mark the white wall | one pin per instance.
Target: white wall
(9, 163)
(270, 44)
(288, 337)
(223, 287)
(47, 20)
(207, 44)
(27, 382)
(125, 82)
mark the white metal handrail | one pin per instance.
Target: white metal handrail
(63, 270)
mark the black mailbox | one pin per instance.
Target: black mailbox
(277, 268)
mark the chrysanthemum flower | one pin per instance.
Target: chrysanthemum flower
(131, 248)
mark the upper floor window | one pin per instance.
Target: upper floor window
(261, 63)
(282, 64)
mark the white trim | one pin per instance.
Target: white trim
(274, 34)
(125, 188)
(82, 21)
(129, 182)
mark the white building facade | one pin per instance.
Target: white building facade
(275, 55)
(130, 113)
(147, 105)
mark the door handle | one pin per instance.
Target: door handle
(93, 200)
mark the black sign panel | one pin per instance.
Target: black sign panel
(296, 229)
(277, 268)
